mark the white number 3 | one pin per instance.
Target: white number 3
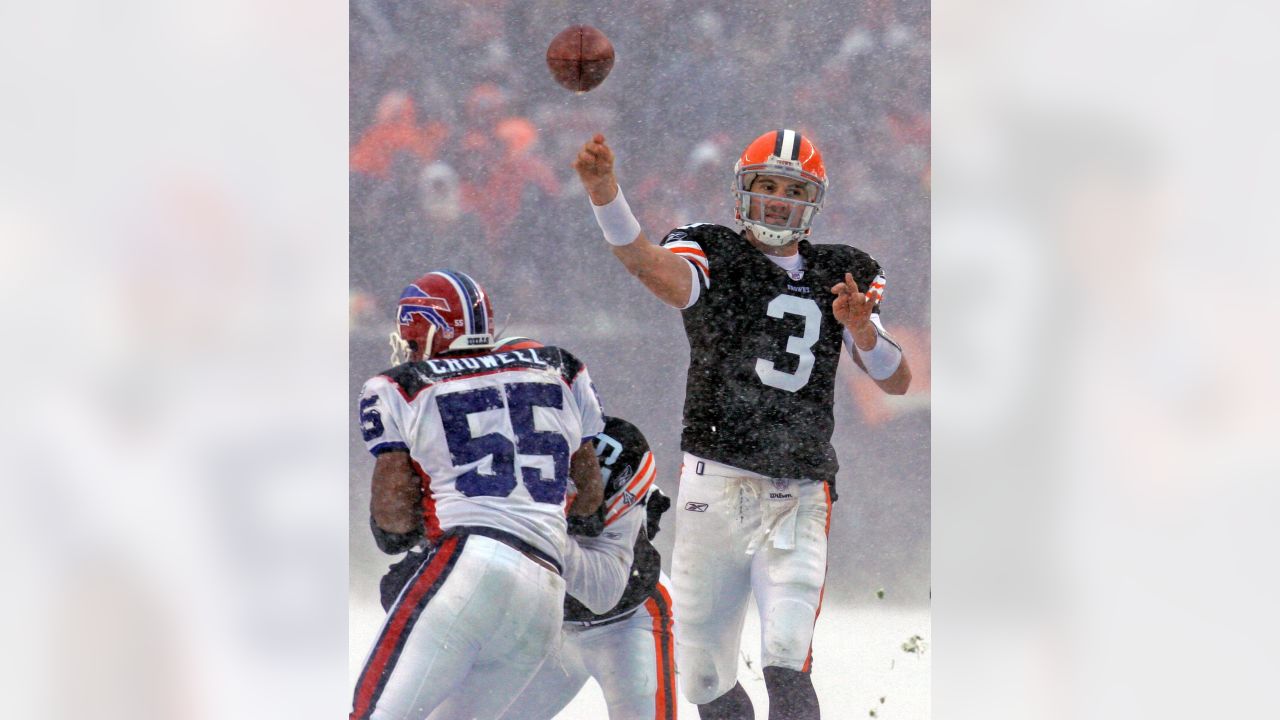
(807, 309)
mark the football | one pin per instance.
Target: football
(580, 57)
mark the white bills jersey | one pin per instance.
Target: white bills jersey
(489, 436)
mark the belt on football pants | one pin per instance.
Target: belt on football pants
(584, 624)
(511, 541)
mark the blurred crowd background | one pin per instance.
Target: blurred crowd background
(174, 205)
(460, 152)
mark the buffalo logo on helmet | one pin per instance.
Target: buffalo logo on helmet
(414, 301)
(457, 313)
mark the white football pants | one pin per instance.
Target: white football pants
(631, 659)
(739, 533)
(464, 637)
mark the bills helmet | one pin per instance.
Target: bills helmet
(789, 154)
(442, 311)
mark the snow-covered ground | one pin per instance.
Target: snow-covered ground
(858, 659)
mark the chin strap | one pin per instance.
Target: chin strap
(770, 237)
(400, 350)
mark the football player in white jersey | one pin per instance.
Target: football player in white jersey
(767, 314)
(478, 452)
(618, 626)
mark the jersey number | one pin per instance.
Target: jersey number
(801, 346)
(370, 419)
(465, 449)
(607, 450)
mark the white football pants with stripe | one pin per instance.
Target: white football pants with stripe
(465, 636)
(633, 661)
(738, 534)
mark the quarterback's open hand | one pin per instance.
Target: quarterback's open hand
(852, 308)
(595, 169)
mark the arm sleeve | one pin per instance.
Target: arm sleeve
(596, 569)
(379, 414)
(588, 402)
(681, 242)
(877, 284)
(629, 496)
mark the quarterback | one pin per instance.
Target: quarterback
(766, 313)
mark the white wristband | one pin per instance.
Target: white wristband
(615, 219)
(882, 360)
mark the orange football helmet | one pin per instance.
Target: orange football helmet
(791, 155)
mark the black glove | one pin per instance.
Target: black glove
(398, 576)
(589, 526)
(393, 543)
(656, 504)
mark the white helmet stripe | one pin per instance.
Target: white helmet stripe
(788, 149)
(462, 298)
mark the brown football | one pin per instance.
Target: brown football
(580, 57)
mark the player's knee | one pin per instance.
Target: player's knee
(628, 689)
(700, 680)
(788, 633)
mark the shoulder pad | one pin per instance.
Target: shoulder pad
(865, 269)
(516, 342)
(698, 232)
(568, 364)
(410, 376)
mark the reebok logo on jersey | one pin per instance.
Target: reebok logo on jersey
(696, 507)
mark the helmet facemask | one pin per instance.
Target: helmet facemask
(404, 350)
(786, 154)
(800, 213)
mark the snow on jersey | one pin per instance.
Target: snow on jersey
(489, 436)
(763, 351)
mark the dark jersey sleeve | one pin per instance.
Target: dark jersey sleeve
(687, 241)
(627, 467)
(866, 272)
(870, 277)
